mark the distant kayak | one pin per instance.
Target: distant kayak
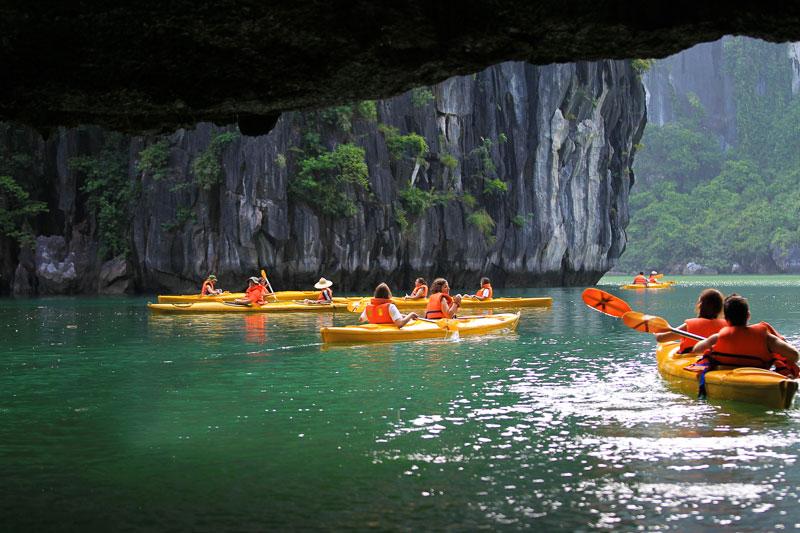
(229, 307)
(746, 384)
(638, 286)
(283, 296)
(419, 329)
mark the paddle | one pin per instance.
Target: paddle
(237, 304)
(354, 306)
(605, 303)
(654, 324)
(264, 275)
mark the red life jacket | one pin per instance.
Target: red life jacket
(434, 309)
(378, 311)
(640, 280)
(485, 286)
(208, 286)
(255, 294)
(705, 327)
(325, 295)
(420, 289)
(742, 346)
(652, 280)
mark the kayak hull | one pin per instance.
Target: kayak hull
(418, 329)
(282, 296)
(649, 286)
(223, 307)
(745, 384)
(468, 303)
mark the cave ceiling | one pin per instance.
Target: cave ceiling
(153, 66)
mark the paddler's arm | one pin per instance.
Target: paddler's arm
(702, 346)
(405, 320)
(779, 346)
(669, 336)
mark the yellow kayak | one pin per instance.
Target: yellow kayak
(228, 307)
(283, 296)
(419, 329)
(745, 384)
(469, 303)
(648, 286)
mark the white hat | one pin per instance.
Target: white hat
(323, 283)
(653, 273)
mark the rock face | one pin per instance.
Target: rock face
(138, 66)
(526, 180)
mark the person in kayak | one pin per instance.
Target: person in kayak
(740, 344)
(485, 292)
(208, 288)
(325, 293)
(708, 322)
(640, 279)
(653, 278)
(381, 310)
(255, 293)
(420, 290)
(441, 304)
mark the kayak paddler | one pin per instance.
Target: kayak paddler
(708, 321)
(420, 290)
(441, 304)
(740, 344)
(208, 288)
(485, 292)
(381, 310)
(325, 292)
(652, 278)
(255, 293)
(640, 279)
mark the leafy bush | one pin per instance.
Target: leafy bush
(154, 160)
(400, 218)
(368, 110)
(182, 216)
(207, 166)
(16, 208)
(448, 160)
(110, 194)
(322, 178)
(421, 96)
(280, 160)
(469, 200)
(416, 201)
(412, 145)
(339, 116)
(640, 66)
(484, 223)
(519, 221)
(495, 187)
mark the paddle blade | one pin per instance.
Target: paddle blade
(447, 324)
(605, 302)
(263, 273)
(355, 306)
(658, 276)
(645, 323)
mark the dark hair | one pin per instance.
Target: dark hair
(641, 273)
(709, 304)
(737, 310)
(421, 281)
(382, 291)
(437, 285)
(484, 281)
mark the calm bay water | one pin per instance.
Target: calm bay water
(111, 418)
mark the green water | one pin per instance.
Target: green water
(112, 419)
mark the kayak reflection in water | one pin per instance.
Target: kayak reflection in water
(325, 292)
(708, 322)
(381, 310)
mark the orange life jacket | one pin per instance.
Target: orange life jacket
(485, 286)
(325, 295)
(434, 309)
(378, 311)
(255, 294)
(640, 280)
(420, 291)
(208, 286)
(652, 279)
(742, 346)
(705, 327)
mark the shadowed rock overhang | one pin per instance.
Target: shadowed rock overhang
(156, 66)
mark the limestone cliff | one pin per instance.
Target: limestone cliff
(525, 179)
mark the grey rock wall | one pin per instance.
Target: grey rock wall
(563, 140)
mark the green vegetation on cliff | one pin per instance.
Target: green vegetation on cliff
(695, 200)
